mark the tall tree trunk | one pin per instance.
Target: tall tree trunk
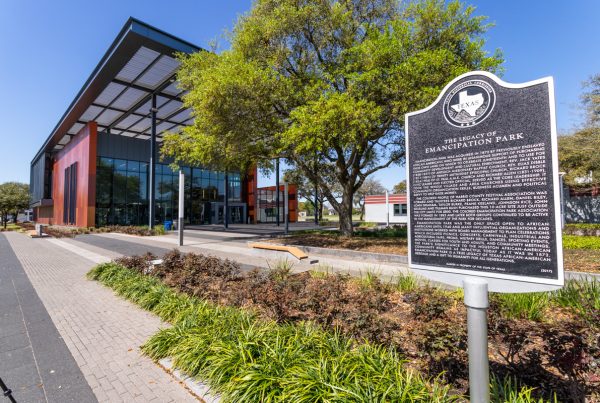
(345, 212)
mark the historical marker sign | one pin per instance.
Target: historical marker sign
(483, 184)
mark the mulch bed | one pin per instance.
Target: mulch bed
(586, 260)
(561, 353)
(394, 246)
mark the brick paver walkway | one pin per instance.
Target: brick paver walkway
(102, 331)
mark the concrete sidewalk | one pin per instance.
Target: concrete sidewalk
(102, 331)
(223, 246)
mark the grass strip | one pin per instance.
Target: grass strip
(250, 360)
(581, 242)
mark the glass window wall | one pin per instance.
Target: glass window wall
(122, 192)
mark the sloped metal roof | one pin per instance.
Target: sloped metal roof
(140, 63)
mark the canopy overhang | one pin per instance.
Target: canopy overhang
(139, 65)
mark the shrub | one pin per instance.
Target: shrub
(140, 264)
(444, 344)
(427, 303)
(395, 231)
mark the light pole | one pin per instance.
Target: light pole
(181, 199)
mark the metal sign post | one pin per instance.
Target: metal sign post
(476, 301)
(181, 204)
(484, 208)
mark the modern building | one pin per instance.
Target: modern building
(378, 210)
(100, 164)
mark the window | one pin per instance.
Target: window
(70, 194)
(400, 209)
(122, 192)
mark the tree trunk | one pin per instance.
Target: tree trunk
(345, 212)
(15, 217)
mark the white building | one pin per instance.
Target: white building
(377, 209)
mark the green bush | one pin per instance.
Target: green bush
(581, 242)
(396, 231)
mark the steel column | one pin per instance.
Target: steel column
(151, 193)
(226, 212)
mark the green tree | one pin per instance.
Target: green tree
(578, 155)
(591, 100)
(324, 84)
(369, 187)
(400, 187)
(14, 198)
(306, 190)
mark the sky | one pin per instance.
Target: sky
(49, 48)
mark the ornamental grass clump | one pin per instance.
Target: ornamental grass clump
(247, 359)
(530, 306)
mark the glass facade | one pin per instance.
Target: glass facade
(122, 192)
(267, 205)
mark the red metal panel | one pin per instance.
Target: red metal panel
(249, 192)
(380, 199)
(81, 149)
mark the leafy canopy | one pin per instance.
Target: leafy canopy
(400, 187)
(14, 197)
(579, 154)
(324, 84)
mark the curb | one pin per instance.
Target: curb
(197, 388)
(581, 275)
(351, 254)
(401, 259)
